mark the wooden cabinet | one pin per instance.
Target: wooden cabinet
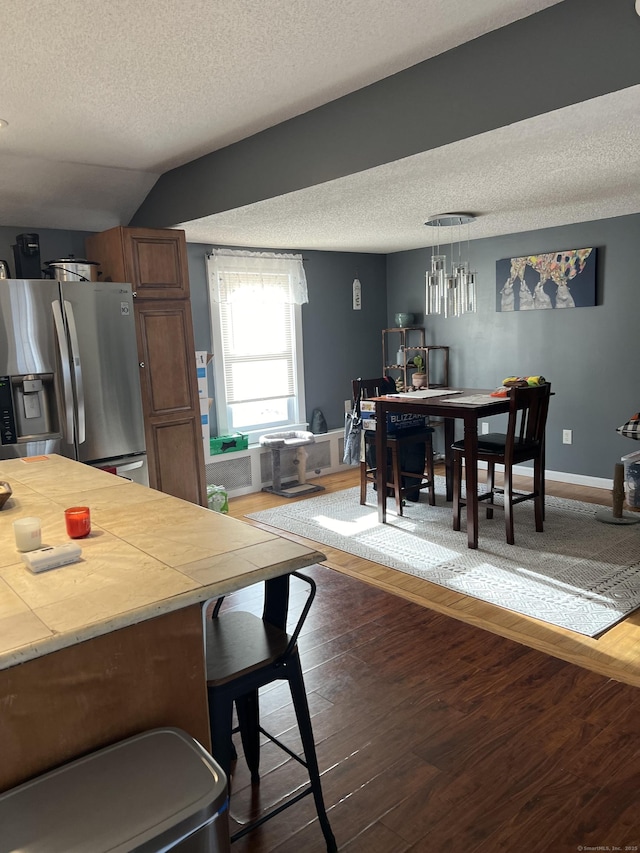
(399, 346)
(153, 259)
(170, 398)
(155, 262)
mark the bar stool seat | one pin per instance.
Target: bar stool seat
(243, 653)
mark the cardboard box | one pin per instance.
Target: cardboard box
(396, 422)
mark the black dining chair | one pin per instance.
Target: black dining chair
(522, 442)
(245, 652)
(402, 482)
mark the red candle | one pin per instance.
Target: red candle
(78, 521)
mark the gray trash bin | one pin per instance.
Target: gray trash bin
(157, 791)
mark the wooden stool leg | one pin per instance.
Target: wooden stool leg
(457, 488)
(491, 484)
(508, 503)
(538, 501)
(397, 478)
(363, 483)
(428, 467)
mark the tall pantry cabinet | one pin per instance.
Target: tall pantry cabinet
(154, 260)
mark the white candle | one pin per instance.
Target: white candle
(28, 534)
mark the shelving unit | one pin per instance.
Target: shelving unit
(431, 368)
(408, 342)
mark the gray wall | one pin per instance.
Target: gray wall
(53, 243)
(590, 355)
(339, 343)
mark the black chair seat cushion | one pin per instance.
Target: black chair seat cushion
(494, 443)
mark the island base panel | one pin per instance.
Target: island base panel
(73, 701)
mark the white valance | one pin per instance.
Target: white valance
(237, 275)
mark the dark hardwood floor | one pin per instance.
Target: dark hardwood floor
(434, 734)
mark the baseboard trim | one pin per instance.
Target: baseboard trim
(252, 478)
(562, 477)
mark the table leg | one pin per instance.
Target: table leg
(381, 461)
(471, 471)
(449, 438)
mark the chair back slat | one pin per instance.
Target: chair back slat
(527, 416)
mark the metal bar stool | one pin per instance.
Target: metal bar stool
(245, 652)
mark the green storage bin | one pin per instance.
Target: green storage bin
(228, 443)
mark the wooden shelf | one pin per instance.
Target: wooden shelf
(411, 341)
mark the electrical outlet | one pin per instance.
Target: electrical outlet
(567, 436)
(485, 428)
(347, 406)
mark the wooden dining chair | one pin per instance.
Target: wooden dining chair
(522, 442)
(245, 652)
(403, 483)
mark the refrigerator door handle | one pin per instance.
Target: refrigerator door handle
(77, 370)
(67, 392)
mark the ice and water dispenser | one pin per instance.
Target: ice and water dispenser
(28, 409)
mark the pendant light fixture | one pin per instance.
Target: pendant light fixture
(450, 293)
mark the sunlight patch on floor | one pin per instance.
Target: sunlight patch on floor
(367, 521)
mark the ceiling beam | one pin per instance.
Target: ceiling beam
(568, 53)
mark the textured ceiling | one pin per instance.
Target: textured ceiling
(571, 165)
(102, 97)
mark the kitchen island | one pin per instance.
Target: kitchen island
(112, 645)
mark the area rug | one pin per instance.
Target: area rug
(580, 573)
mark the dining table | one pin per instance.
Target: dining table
(112, 645)
(469, 405)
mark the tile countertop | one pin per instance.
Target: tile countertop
(148, 553)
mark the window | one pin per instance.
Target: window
(256, 320)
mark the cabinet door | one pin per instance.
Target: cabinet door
(170, 398)
(156, 262)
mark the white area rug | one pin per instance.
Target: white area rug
(579, 574)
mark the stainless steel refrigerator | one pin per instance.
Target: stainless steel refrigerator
(69, 374)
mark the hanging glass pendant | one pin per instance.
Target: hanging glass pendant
(452, 298)
(471, 293)
(461, 274)
(432, 300)
(454, 293)
(436, 285)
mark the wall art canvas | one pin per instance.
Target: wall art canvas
(552, 280)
